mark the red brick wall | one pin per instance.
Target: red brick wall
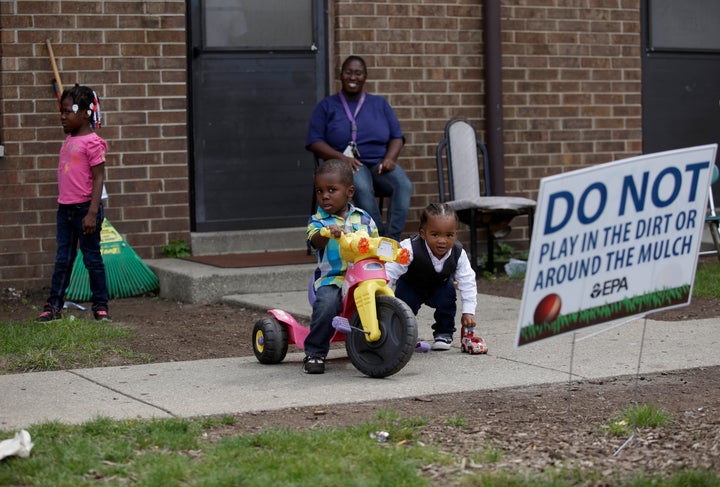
(572, 84)
(571, 72)
(133, 54)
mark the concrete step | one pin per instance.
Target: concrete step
(217, 243)
(191, 282)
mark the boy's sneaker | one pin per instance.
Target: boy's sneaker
(314, 365)
(442, 341)
(102, 315)
(49, 314)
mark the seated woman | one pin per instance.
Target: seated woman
(362, 130)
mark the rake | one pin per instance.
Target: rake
(126, 274)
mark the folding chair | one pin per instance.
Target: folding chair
(712, 218)
(469, 194)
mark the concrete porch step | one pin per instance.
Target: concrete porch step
(216, 243)
(191, 282)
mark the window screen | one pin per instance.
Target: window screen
(254, 24)
(684, 25)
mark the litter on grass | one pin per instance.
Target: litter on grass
(380, 436)
(20, 445)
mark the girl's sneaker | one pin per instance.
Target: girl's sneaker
(442, 341)
(102, 315)
(49, 314)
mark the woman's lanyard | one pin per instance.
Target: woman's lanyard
(353, 122)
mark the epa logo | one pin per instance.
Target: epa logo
(608, 287)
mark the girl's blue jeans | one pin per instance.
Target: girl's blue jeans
(442, 298)
(69, 235)
(394, 183)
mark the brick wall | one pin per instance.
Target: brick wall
(133, 54)
(571, 72)
(572, 85)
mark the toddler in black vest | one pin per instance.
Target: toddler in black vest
(438, 261)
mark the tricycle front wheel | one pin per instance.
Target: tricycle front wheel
(389, 354)
(270, 341)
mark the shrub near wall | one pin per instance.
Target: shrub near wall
(133, 54)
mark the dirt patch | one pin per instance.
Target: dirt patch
(169, 331)
(533, 429)
(527, 429)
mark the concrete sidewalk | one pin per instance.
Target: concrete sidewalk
(235, 385)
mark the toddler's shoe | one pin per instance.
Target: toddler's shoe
(442, 341)
(474, 345)
(314, 365)
(49, 314)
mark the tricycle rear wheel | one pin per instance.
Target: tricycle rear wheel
(270, 341)
(389, 354)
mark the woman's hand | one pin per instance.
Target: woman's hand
(392, 154)
(322, 150)
(354, 163)
(386, 165)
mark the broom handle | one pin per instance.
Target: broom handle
(54, 65)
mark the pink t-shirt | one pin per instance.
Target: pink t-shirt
(77, 157)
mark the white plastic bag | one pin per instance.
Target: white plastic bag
(19, 446)
(516, 268)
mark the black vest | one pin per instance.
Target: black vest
(421, 273)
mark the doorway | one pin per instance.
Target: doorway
(680, 74)
(257, 70)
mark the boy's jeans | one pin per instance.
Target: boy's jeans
(69, 234)
(328, 304)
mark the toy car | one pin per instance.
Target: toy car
(473, 345)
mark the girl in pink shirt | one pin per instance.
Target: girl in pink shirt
(81, 173)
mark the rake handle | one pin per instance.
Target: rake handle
(54, 68)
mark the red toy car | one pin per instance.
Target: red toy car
(471, 344)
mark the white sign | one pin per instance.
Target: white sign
(616, 240)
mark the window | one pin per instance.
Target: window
(257, 24)
(687, 25)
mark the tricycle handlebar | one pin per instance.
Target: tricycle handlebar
(360, 245)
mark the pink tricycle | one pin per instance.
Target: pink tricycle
(379, 330)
